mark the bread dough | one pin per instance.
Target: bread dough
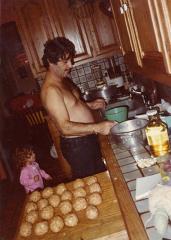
(56, 224)
(60, 188)
(95, 199)
(30, 206)
(79, 204)
(35, 196)
(71, 220)
(78, 183)
(91, 180)
(79, 192)
(41, 228)
(54, 200)
(65, 207)
(66, 195)
(47, 212)
(47, 192)
(42, 203)
(32, 216)
(25, 229)
(95, 187)
(92, 212)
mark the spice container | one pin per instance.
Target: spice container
(157, 134)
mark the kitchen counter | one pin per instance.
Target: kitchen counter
(124, 171)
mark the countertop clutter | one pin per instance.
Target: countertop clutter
(108, 225)
(124, 171)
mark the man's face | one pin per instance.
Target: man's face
(63, 67)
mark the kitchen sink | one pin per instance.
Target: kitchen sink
(135, 106)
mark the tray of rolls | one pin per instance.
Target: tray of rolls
(84, 209)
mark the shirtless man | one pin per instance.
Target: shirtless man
(72, 116)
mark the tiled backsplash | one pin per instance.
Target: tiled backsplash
(83, 75)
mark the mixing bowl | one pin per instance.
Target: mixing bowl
(130, 133)
(118, 114)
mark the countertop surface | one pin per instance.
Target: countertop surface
(124, 171)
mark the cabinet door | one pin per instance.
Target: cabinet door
(146, 29)
(163, 10)
(35, 29)
(66, 24)
(103, 32)
(128, 42)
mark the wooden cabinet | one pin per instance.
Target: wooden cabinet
(147, 23)
(40, 20)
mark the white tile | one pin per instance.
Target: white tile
(132, 175)
(126, 161)
(153, 234)
(142, 206)
(147, 220)
(133, 195)
(138, 150)
(132, 185)
(129, 168)
(151, 170)
(123, 155)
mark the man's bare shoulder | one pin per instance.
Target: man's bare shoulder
(50, 91)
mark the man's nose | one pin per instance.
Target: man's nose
(69, 63)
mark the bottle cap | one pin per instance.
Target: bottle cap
(151, 112)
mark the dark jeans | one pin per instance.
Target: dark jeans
(83, 154)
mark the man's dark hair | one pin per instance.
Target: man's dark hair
(56, 49)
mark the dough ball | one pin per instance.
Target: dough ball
(71, 220)
(42, 203)
(65, 207)
(95, 187)
(60, 188)
(35, 196)
(91, 180)
(47, 192)
(41, 228)
(32, 216)
(79, 192)
(30, 206)
(79, 204)
(54, 200)
(47, 212)
(25, 229)
(95, 199)
(66, 195)
(56, 224)
(92, 212)
(78, 183)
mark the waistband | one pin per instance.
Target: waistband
(78, 139)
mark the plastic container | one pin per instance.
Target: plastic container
(119, 114)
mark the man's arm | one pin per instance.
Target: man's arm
(54, 103)
(97, 104)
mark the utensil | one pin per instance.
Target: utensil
(130, 133)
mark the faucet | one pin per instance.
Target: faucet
(134, 90)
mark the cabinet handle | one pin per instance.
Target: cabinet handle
(123, 8)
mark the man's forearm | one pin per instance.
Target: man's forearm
(78, 129)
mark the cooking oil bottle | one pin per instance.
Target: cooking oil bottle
(157, 134)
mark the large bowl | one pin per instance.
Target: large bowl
(130, 133)
(118, 114)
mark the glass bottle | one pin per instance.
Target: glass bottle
(157, 134)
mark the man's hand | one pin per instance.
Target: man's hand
(97, 104)
(104, 127)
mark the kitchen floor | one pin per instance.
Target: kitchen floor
(12, 196)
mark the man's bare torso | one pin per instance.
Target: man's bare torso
(78, 110)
